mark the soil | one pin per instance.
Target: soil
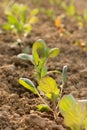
(18, 105)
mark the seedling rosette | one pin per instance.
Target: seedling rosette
(39, 57)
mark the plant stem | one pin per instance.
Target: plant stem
(43, 100)
(55, 112)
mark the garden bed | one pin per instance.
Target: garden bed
(18, 105)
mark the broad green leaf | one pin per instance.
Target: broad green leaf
(43, 107)
(54, 52)
(14, 23)
(28, 84)
(33, 20)
(73, 112)
(25, 56)
(66, 103)
(34, 11)
(49, 86)
(7, 26)
(12, 20)
(38, 50)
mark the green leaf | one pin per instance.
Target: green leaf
(14, 23)
(7, 26)
(12, 20)
(54, 52)
(34, 12)
(28, 84)
(43, 108)
(33, 20)
(49, 87)
(73, 112)
(66, 103)
(38, 50)
(25, 56)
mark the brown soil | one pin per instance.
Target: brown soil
(17, 105)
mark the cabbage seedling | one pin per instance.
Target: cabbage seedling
(39, 57)
(20, 19)
(47, 90)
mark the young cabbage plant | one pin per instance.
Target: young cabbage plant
(20, 19)
(39, 57)
(48, 92)
(74, 112)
